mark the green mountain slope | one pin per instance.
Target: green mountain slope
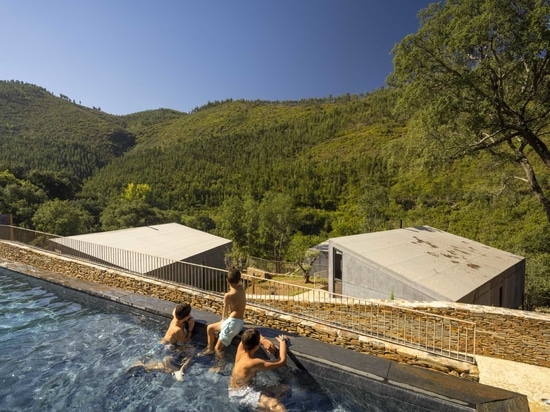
(135, 122)
(347, 165)
(242, 147)
(348, 157)
(44, 132)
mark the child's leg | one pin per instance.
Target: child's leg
(219, 350)
(278, 391)
(211, 331)
(181, 372)
(268, 403)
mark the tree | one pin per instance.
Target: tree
(21, 199)
(300, 252)
(63, 218)
(276, 223)
(478, 71)
(136, 192)
(231, 223)
(56, 185)
(125, 214)
(201, 222)
(251, 223)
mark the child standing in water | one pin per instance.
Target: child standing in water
(173, 343)
(241, 388)
(181, 326)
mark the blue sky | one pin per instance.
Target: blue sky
(126, 56)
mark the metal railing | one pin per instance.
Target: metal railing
(272, 266)
(201, 277)
(441, 335)
(436, 334)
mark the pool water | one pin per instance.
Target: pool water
(64, 350)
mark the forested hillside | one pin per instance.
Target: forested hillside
(276, 177)
(41, 131)
(318, 152)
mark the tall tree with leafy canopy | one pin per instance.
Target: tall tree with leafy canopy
(276, 222)
(20, 198)
(130, 209)
(478, 73)
(63, 218)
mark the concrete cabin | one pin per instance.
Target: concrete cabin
(425, 264)
(154, 251)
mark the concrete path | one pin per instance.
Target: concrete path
(530, 380)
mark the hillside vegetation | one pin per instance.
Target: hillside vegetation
(44, 132)
(275, 177)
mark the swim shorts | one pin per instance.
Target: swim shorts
(230, 328)
(173, 353)
(245, 396)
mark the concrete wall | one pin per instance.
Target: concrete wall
(215, 258)
(197, 276)
(382, 283)
(321, 264)
(505, 290)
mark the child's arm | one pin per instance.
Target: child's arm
(179, 337)
(277, 363)
(226, 306)
(190, 327)
(267, 345)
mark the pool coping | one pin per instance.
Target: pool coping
(458, 391)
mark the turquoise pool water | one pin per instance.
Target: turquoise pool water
(63, 350)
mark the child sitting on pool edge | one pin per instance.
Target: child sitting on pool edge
(179, 333)
(232, 322)
(234, 304)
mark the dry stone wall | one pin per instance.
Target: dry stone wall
(509, 334)
(502, 333)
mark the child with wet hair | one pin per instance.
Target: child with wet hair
(241, 388)
(181, 326)
(173, 344)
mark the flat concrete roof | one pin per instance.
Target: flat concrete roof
(170, 241)
(449, 265)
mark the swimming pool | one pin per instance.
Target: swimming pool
(65, 350)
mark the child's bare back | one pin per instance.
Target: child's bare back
(236, 302)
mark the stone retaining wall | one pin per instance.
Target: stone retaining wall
(509, 334)
(502, 333)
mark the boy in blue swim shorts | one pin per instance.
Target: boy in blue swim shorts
(234, 304)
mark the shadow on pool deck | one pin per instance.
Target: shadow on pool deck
(421, 388)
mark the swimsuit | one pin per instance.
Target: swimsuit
(245, 396)
(173, 352)
(230, 328)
